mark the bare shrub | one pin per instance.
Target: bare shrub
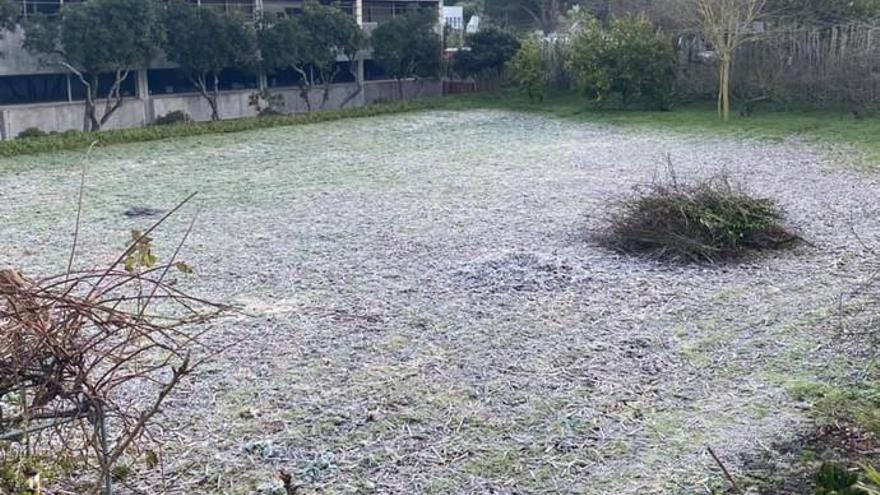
(87, 357)
(704, 221)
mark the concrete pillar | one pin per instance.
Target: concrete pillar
(359, 11)
(4, 132)
(143, 94)
(143, 84)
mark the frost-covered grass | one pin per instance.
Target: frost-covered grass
(429, 314)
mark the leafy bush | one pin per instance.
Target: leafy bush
(630, 59)
(706, 221)
(175, 117)
(31, 132)
(490, 50)
(528, 72)
(835, 480)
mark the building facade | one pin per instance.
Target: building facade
(45, 96)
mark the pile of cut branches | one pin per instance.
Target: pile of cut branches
(705, 221)
(88, 357)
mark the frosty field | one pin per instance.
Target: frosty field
(427, 313)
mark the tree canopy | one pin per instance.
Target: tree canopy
(96, 37)
(311, 43)
(629, 59)
(407, 46)
(203, 42)
(490, 50)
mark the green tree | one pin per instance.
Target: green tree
(311, 44)
(203, 42)
(332, 35)
(630, 59)
(406, 46)
(490, 50)
(283, 45)
(94, 38)
(528, 71)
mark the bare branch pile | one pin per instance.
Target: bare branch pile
(85, 349)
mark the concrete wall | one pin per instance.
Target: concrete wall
(385, 91)
(60, 117)
(231, 105)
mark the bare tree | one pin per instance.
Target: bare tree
(727, 25)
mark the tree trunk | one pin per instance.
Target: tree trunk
(328, 78)
(724, 65)
(354, 94)
(115, 97)
(201, 83)
(326, 97)
(354, 69)
(215, 112)
(304, 94)
(92, 124)
(304, 88)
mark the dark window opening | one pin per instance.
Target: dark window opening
(169, 81)
(105, 82)
(283, 78)
(289, 77)
(374, 72)
(231, 79)
(47, 7)
(243, 7)
(343, 74)
(175, 81)
(42, 88)
(293, 7)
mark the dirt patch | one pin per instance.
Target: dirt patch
(515, 272)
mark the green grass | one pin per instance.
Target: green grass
(856, 404)
(833, 127)
(824, 126)
(73, 140)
